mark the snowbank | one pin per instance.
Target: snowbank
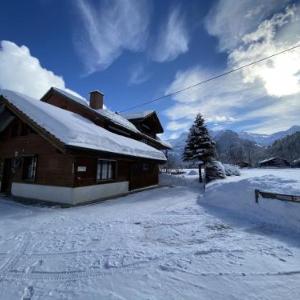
(231, 170)
(192, 172)
(236, 194)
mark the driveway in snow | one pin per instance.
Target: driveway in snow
(166, 243)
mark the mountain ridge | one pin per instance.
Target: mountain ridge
(233, 147)
(259, 138)
(268, 139)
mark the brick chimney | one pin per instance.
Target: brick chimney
(96, 100)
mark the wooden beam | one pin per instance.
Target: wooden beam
(276, 196)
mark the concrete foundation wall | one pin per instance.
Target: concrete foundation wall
(68, 195)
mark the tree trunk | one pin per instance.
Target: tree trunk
(200, 173)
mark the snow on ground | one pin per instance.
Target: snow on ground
(165, 243)
(236, 194)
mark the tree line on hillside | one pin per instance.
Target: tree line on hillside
(232, 149)
(287, 147)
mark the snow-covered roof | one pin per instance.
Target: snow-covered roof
(75, 130)
(269, 159)
(165, 143)
(137, 115)
(266, 160)
(106, 113)
(117, 119)
(73, 97)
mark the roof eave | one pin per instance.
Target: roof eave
(71, 147)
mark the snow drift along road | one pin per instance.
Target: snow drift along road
(236, 194)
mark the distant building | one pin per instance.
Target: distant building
(243, 164)
(63, 149)
(296, 163)
(274, 162)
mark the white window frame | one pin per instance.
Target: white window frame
(110, 172)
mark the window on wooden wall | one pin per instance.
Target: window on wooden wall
(29, 168)
(106, 170)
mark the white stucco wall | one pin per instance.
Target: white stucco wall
(68, 195)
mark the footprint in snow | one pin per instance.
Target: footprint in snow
(33, 266)
(28, 293)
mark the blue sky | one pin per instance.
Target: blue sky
(137, 50)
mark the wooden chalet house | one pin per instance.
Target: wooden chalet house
(274, 162)
(63, 149)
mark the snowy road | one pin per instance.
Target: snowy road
(159, 244)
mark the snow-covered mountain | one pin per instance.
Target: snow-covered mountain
(229, 140)
(265, 139)
(260, 139)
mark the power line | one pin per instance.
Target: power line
(209, 79)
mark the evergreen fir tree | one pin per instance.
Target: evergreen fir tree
(199, 145)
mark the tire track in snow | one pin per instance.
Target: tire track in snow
(12, 260)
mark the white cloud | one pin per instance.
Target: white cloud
(109, 29)
(138, 75)
(174, 125)
(22, 72)
(280, 75)
(261, 98)
(230, 20)
(204, 99)
(173, 39)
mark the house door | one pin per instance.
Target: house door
(142, 175)
(134, 176)
(7, 176)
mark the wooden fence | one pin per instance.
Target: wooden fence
(275, 196)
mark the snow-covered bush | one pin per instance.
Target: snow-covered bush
(232, 170)
(296, 163)
(192, 172)
(214, 170)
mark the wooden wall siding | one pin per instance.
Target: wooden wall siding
(131, 170)
(53, 167)
(55, 170)
(89, 176)
(144, 128)
(141, 177)
(123, 168)
(149, 125)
